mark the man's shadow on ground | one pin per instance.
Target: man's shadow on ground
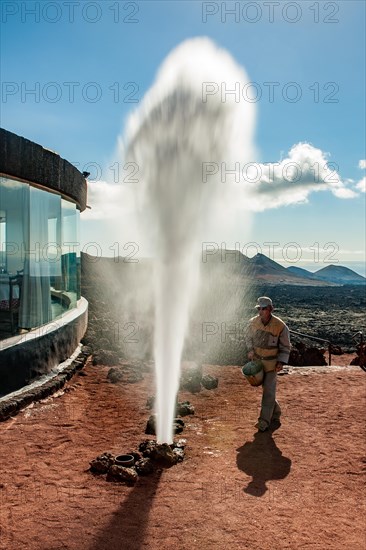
(262, 460)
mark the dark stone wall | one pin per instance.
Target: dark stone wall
(24, 362)
(23, 159)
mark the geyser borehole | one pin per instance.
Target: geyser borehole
(169, 137)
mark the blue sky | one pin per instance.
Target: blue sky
(109, 49)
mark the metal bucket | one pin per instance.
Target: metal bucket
(253, 372)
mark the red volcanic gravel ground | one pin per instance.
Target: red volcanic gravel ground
(300, 487)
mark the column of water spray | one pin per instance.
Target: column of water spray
(183, 123)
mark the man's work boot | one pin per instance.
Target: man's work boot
(261, 425)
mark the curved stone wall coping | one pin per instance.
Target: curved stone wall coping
(11, 404)
(53, 326)
(28, 161)
(29, 356)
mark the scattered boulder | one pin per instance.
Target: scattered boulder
(295, 358)
(120, 473)
(87, 350)
(314, 356)
(144, 467)
(115, 374)
(191, 377)
(150, 454)
(336, 350)
(180, 444)
(179, 453)
(147, 447)
(136, 456)
(150, 425)
(102, 463)
(150, 402)
(163, 454)
(178, 425)
(209, 382)
(360, 359)
(105, 357)
(184, 408)
(132, 376)
(302, 356)
(124, 374)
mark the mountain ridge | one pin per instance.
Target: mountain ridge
(260, 268)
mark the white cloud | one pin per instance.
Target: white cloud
(306, 169)
(361, 185)
(362, 164)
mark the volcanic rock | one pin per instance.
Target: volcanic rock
(164, 454)
(120, 473)
(209, 382)
(125, 374)
(179, 453)
(102, 463)
(178, 425)
(105, 357)
(360, 360)
(150, 425)
(144, 467)
(86, 350)
(302, 356)
(191, 378)
(336, 350)
(184, 408)
(115, 374)
(147, 447)
(313, 356)
(150, 402)
(135, 455)
(133, 375)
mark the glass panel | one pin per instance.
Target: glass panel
(70, 252)
(14, 232)
(2, 241)
(14, 196)
(53, 253)
(42, 261)
(39, 241)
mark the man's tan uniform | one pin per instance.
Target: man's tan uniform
(270, 342)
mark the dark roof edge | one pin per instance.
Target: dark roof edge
(26, 160)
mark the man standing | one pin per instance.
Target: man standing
(268, 341)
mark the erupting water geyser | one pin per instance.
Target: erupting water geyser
(186, 120)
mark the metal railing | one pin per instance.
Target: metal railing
(319, 340)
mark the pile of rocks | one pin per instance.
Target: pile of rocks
(183, 408)
(178, 425)
(151, 457)
(303, 356)
(360, 359)
(128, 372)
(193, 380)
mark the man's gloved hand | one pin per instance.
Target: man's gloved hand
(279, 366)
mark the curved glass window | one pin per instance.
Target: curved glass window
(39, 256)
